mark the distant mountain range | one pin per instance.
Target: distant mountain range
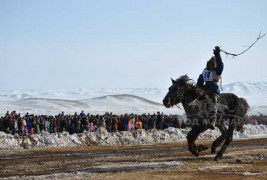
(117, 100)
(117, 104)
(255, 93)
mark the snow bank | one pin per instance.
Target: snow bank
(102, 137)
(252, 131)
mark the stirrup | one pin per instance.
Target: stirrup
(211, 127)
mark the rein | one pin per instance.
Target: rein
(188, 104)
(179, 107)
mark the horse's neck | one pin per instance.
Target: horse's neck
(189, 97)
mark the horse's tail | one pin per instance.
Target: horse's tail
(243, 112)
(245, 105)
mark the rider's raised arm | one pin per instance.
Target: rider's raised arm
(219, 63)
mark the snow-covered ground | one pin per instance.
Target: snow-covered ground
(118, 100)
(102, 137)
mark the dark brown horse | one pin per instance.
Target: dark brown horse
(231, 111)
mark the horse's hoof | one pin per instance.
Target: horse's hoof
(217, 158)
(193, 149)
(195, 153)
(202, 147)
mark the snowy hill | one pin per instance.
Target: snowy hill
(118, 104)
(117, 100)
(255, 93)
(154, 94)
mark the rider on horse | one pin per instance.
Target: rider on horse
(209, 80)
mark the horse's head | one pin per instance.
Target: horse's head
(177, 91)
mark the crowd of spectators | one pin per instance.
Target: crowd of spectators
(30, 124)
(255, 120)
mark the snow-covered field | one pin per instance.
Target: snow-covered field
(118, 101)
(102, 137)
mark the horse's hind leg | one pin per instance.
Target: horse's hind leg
(228, 140)
(220, 139)
(191, 138)
(202, 147)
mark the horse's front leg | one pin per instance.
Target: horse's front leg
(220, 139)
(191, 138)
(228, 140)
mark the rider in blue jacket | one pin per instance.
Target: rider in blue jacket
(209, 80)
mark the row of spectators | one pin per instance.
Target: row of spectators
(30, 124)
(255, 120)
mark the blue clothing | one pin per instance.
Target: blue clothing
(211, 86)
(29, 125)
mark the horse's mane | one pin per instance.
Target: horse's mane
(189, 83)
(185, 80)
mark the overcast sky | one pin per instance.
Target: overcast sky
(48, 44)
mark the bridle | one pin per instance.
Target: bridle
(175, 99)
(181, 98)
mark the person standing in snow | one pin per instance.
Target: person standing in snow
(31, 132)
(82, 114)
(159, 121)
(139, 124)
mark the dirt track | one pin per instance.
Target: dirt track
(245, 159)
